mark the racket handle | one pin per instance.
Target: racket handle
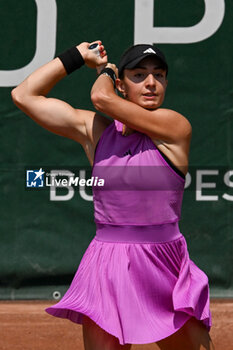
(95, 49)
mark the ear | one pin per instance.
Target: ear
(121, 87)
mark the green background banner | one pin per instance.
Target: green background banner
(43, 236)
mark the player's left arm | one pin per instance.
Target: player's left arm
(163, 124)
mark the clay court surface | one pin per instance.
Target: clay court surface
(25, 326)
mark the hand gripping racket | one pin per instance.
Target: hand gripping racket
(95, 48)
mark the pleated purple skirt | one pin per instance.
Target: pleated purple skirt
(137, 283)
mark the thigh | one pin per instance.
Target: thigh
(192, 336)
(95, 338)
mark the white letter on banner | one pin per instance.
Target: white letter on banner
(145, 32)
(188, 180)
(229, 184)
(45, 44)
(83, 195)
(69, 195)
(200, 185)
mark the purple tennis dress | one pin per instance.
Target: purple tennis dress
(136, 280)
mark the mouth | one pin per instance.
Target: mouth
(149, 95)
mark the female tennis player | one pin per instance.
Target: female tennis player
(135, 283)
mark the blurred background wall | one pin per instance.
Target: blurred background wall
(44, 232)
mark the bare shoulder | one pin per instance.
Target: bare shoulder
(177, 150)
(176, 121)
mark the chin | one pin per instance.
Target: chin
(151, 106)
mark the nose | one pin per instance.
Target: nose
(150, 80)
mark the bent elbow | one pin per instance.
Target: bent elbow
(16, 97)
(188, 131)
(99, 100)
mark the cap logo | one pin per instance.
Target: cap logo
(150, 50)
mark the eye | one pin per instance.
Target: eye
(138, 75)
(159, 75)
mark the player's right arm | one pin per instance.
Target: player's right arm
(56, 115)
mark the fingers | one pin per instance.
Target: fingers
(99, 48)
(102, 51)
(99, 51)
(102, 59)
(85, 46)
(94, 54)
